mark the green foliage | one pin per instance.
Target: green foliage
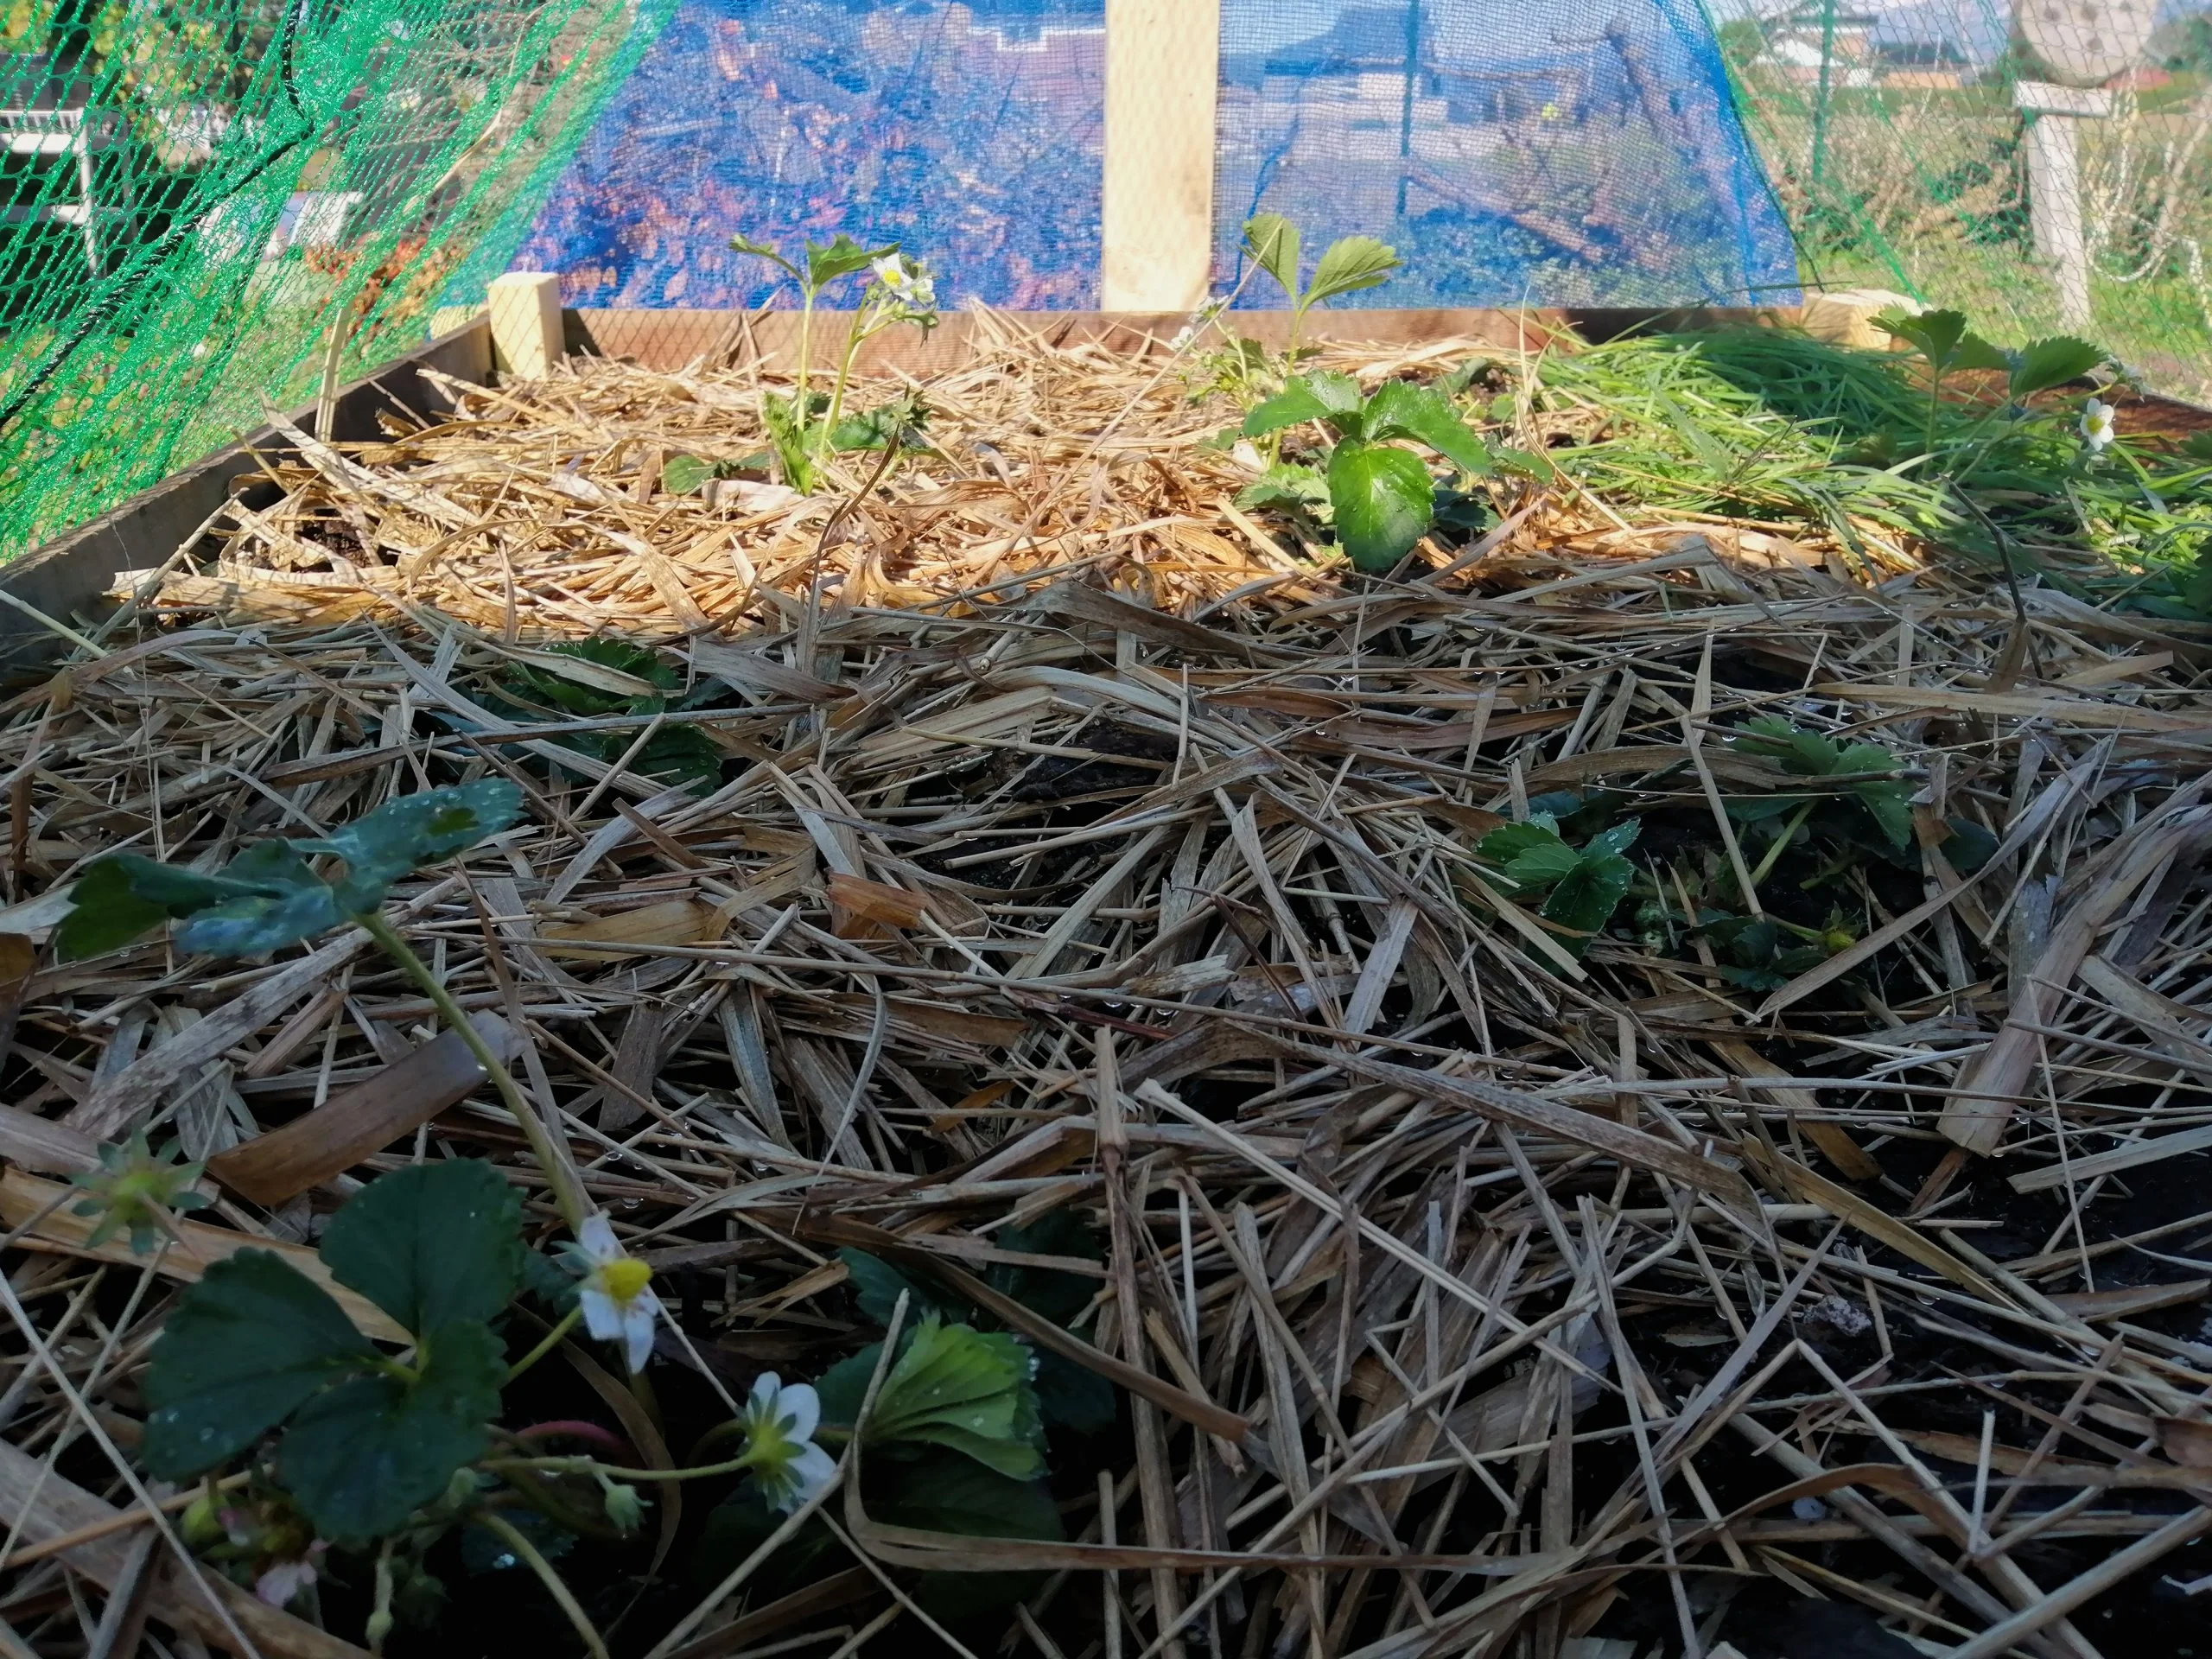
(119, 899)
(256, 1346)
(1071, 1396)
(133, 1188)
(1847, 766)
(843, 258)
(1057, 1294)
(1325, 395)
(270, 896)
(1949, 345)
(2181, 592)
(632, 673)
(1582, 885)
(792, 424)
(741, 1523)
(402, 1239)
(1291, 487)
(410, 831)
(246, 1346)
(1401, 410)
(1944, 339)
(1346, 266)
(941, 1491)
(1381, 500)
(548, 1281)
(1765, 954)
(1271, 242)
(959, 1388)
(877, 1286)
(900, 421)
(676, 753)
(960, 1495)
(819, 265)
(1840, 442)
(1349, 265)
(1236, 369)
(1968, 846)
(689, 474)
(2042, 363)
(1580, 816)
(951, 1386)
(363, 1456)
(805, 428)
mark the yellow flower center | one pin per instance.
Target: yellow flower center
(625, 1278)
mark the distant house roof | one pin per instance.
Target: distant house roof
(1363, 38)
(1921, 54)
(1816, 16)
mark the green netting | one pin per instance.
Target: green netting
(1898, 141)
(206, 205)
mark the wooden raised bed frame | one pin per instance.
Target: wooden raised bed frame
(67, 575)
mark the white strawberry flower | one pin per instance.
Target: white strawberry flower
(2096, 425)
(780, 1424)
(908, 285)
(616, 1295)
(280, 1581)
(1187, 335)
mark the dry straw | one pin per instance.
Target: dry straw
(1077, 846)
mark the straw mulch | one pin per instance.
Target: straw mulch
(1464, 1296)
(544, 509)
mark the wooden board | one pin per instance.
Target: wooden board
(1163, 61)
(670, 339)
(71, 571)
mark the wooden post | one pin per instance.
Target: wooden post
(2054, 185)
(525, 308)
(1163, 72)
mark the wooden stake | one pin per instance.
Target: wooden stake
(1163, 71)
(525, 308)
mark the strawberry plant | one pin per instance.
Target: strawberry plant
(348, 1446)
(1863, 775)
(637, 683)
(1381, 498)
(805, 427)
(1948, 347)
(1345, 266)
(256, 1347)
(1581, 886)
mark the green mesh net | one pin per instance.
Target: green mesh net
(207, 206)
(2042, 169)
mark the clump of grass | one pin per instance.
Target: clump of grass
(1754, 425)
(1767, 425)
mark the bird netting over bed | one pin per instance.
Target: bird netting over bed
(1564, 152)
(196, 195)
(199, 197)
(1994, 157)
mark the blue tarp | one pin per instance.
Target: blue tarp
(1555, 152)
